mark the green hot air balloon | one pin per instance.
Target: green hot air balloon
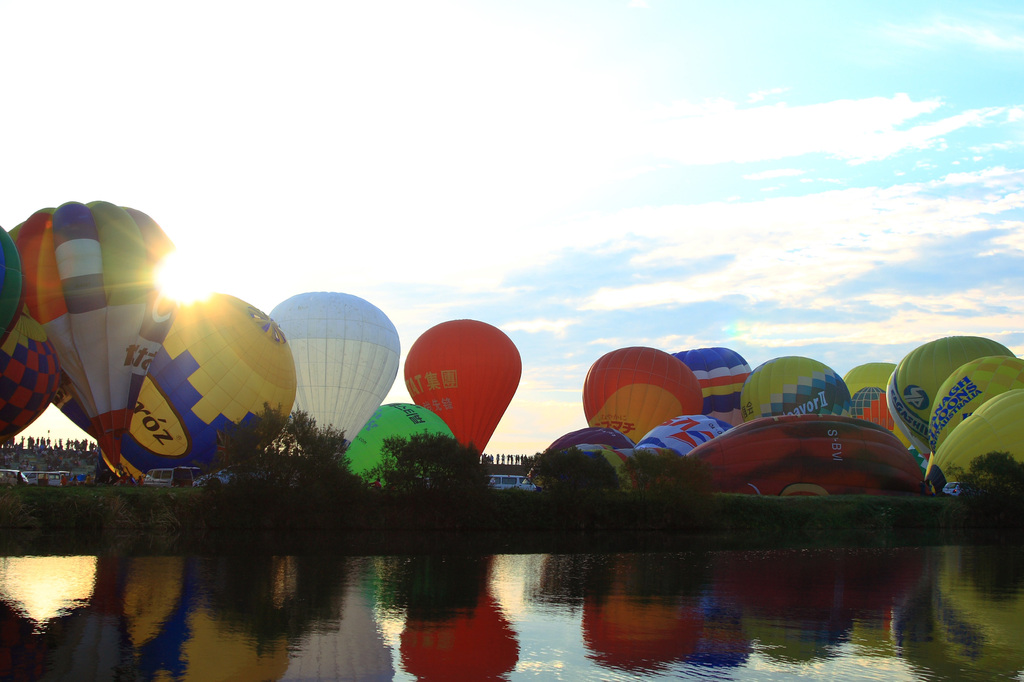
(392, 420)
(914, 385)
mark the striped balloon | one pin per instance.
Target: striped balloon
(720, 373)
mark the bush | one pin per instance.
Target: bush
(993, 489)
(430, 461)
(571, 471)
(275, 457)
(664, 475)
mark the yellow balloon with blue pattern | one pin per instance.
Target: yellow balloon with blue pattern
(222, 360)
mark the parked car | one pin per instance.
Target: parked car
(505, 482)
(952, 488)
(46, 477)
(176, 477)
(12, 477)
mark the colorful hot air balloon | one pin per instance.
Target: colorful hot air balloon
(867, 384)
(595, 435)
(912, 388)
(10, 282)
(794, 385)
(222, 361)
(810, 455)
(682, 434)
(969, 387)
(346, 356)
(29, 375)
(634, 389)
(467, 372)
(721, 373)
(90, 280)
(394, 420)
(996, 426)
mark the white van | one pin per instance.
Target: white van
(175, 476)
(46, 477)
(505, 482)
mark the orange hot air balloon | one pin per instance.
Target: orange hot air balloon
(634, 389)
(467, 372)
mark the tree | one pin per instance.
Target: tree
(572, 470)
(430, 461)
(666, 474)
(273, 450)
(993, 488)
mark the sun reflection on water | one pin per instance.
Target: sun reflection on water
(42, 588)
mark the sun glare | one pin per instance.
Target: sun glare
(179, 278)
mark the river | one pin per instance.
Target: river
(466, 608)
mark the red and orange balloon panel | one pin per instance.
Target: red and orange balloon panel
(634, 389)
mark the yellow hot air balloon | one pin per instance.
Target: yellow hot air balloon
(996, 426)
(969, 387)
(918, 376)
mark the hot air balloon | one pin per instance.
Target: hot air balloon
(996, 426)
(90, 280)
(634, 389)
(467, 372)
(810, 455)
(913, 385)
(721, 373)
(969, 387)
(222, 361)
(10, 282)
(794, 385)
(867, 385)
(394, 420)
(346, 356)
(682, 434)
(29, 375)
(594, 435)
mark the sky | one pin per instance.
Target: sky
(840, 181)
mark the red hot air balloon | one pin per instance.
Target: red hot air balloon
(634, 389)
(467, 372)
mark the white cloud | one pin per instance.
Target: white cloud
(779, 173)
(856, 131)
(1006, 36)
(556, 327)
(800, 248)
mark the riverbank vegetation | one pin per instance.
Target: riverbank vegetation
(287, 474)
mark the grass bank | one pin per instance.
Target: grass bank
(164, 510)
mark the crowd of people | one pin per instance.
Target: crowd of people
(44, 454)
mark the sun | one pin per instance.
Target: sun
(181, 279)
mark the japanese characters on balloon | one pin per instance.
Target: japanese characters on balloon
(467, 372)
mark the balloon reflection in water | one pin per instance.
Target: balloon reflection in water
(454, 628)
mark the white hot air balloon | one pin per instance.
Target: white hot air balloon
(346, 356)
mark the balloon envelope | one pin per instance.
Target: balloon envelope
(10, 282)
(29, 375)
(634, 389)
(222, 361)
(911, 390)
(346, 356)
(682, 434)
(969, 387)
(394, 420)
(996, 426)
(90, 280)
(721, 373)
(810, 455)
(595, 435)
(794, 385)
(467, 372)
